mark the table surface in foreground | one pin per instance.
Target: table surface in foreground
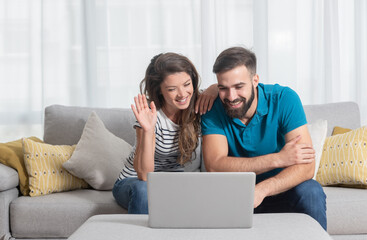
(282, 226)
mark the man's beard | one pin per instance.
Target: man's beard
(239, 112)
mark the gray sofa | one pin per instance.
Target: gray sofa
(57, 215)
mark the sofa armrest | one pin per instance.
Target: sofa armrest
(6, 197)
(8, 178)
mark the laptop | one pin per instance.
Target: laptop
(201, 199)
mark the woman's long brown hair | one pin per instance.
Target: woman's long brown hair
(159, 68)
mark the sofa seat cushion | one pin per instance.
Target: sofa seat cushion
(58, 215)
(346, 210)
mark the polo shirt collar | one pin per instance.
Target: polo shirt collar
(262, 103)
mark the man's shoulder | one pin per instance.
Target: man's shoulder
(213, 121)
(276, 89)
(285, 103)
(276, 93)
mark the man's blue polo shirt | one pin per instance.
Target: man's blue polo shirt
(279, 111)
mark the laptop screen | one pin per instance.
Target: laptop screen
(201, 199)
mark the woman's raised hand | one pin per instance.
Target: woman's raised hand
(147, 117)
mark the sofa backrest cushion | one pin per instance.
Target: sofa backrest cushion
(342, 114)
(63, 125)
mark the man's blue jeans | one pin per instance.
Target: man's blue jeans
(308, 197)
(131, 194)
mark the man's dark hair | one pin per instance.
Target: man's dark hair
(234, 57)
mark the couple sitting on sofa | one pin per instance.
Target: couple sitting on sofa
(251, 127)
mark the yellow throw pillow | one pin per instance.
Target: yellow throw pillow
(340, 130)
(11, 155)
(344, 159)
(44, 167)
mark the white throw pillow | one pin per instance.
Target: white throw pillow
(318, 131)
(99, 155)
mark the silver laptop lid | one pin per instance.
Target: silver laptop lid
(201, 199)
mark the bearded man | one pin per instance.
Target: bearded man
(255, 127)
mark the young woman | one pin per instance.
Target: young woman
(167, 127)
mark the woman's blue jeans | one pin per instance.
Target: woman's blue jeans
(307, 197)
(131, 194)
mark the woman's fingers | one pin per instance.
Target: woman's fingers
(137, 105)
(201, 105)
(141, 101)
(145, 103)
(141, 104)
(210, 103)
(204, 106)
(134, 110)
(197, 104)
(204, 103)
(153, 108)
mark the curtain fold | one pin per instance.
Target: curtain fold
(95, 52)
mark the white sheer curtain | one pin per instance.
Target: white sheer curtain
(318, 48)
(84, 53)
(94, 52)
